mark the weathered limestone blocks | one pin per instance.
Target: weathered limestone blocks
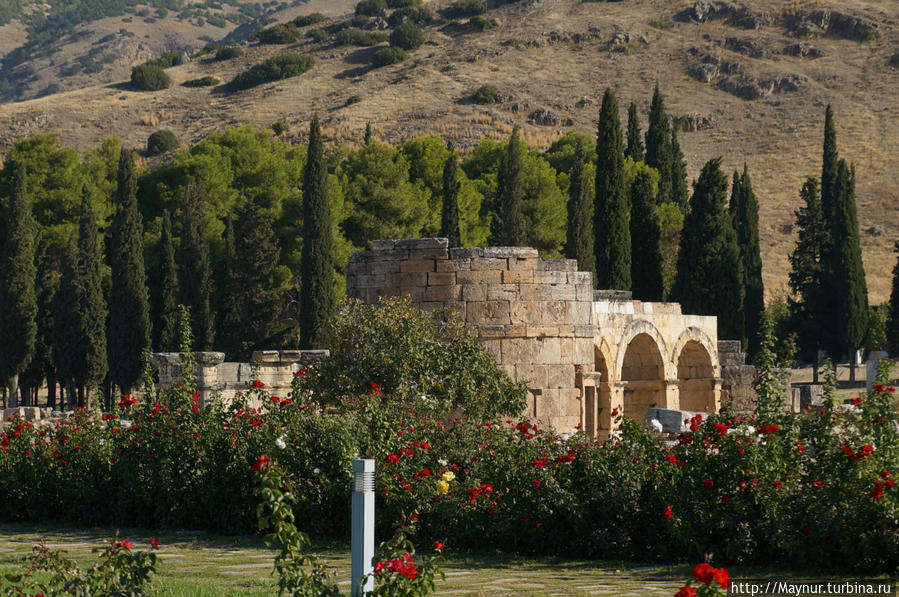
(737, 377)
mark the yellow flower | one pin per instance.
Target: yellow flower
(448, 476)
(442, 486)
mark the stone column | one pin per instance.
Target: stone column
(207, 374)
(672, 395)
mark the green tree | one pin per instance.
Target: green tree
(678, 178)
(128, 332)
(449, 214)
(829, 167)
(510, 226)
(893, 317)
(807, 273)
(847, 273)
(744, 210)
(317, 300)
(579, 233)
(658, 144)
(612, 237)
(167, 291)
(90, 363)
(66, 330)
(41, 368)
(646, 237)
(18, 299)
(195, 279)
(634, 148)
(369, 134)
(709, 274)
(229, 320)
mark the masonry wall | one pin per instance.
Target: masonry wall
(533, 315)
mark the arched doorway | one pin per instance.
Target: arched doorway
(695, 378)
(599, 397)
(643, 376)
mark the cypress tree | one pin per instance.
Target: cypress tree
(91, 365)
(18, 298)
(579, 234)
(829, 166)
(744, 211)
(256, 250)
(809, 308)
(66, 326)
(41, 366)
(128, 332)
(369, 135)
(679, 194)
(847, 272)
(449, 215)
(646, 236)
(195, 279)
(658, 144)
(634, 138)
(167, 296)
(317, 292)
(612, 210)
(709, 273)
(893, 317)
(509, 223)
(229, 319)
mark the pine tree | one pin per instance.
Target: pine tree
(744, 210)
(509, 222)
(809, 308)
(167, 295)
(646, 236)
(317, 292)
(679, 193)
(658, 144)
(88, 287)
(195, 274)
(449, 215)
(634, 138)
(893, 317)
(847, 272)
(257, 297)
(229, 320)
(579, 234)
(709, 274)
(612, 210)
(128, 332)
(18, 298)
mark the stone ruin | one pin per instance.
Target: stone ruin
(583, 352)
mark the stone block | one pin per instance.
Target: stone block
(441, 279)
(519, 350)
(458, 253)
(542, 331)
(383, 267)
(562, 292)
(435, 253)
(494, 347)
(612, 295)
(561, 265)
(583, 352)
(415, 293)
(582, 313)
(266, 356)
(533, 374)
(550, 277)
(555, 312)
(502, 292)
(460, 265)
(560, 376)
(535, 292)
(525, 312)
(430, 305)
(580, 278)
(585, 331)
(549, 351)
(510, 252)
(488, 312)
(520, 276)
(492, 263)
(523, 263)
(479, 277)
(509, 370)
(442, 293)
(491, 331)
(672, 420)
(445, 265)
(516, 331)
(371, 281)
(29, 413)
(410, 279)
(420, 265)
(474, 292)
(383, 245)
(584, 292)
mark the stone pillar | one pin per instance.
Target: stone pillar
(207, 374)
(874, 358)
(168, 365)
(672, 395)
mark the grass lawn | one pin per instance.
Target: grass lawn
(198, 564)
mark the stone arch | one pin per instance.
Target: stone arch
(642, 375)
(599, 399)
(635, 328)
(696, 379)
(696, 335)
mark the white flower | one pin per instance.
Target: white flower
(280, 443)
(442, 462)
(316, 470)
(657, 425)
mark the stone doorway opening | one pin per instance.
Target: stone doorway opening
(642, 377)
(695, 378)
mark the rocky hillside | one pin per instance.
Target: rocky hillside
(747, 80)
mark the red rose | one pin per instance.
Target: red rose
(438, 546)
(721, 577)
(877, 492)
(260, 463)
(155, 542)
(125, 544)
(668, 514)
(704, 573)
(686, 592)
(818, 483)
(708, 483)
(855, 401)
(258, 384)
(392, 459)
(536, 483)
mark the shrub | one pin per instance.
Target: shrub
(420, 15)
(273, 69)
(310, 19)
(407, 36)
(359, 21)
(387, 56)
(481, 23)
(280, 127)
(229, 52)
(207, 81)
(149, 77)
(162, 141)
(403, 3)
(487, 94)
(279, 34)
(318, 35)
(168, 59)
(370, 7)
(466, 8)
(358, 37)
(353, 99)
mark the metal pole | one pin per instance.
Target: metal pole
(363, 529)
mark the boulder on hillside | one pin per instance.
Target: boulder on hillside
(803, 49)
(544, 117)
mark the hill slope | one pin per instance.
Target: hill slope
(551, 60)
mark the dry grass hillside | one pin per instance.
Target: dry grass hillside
(793, 58)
